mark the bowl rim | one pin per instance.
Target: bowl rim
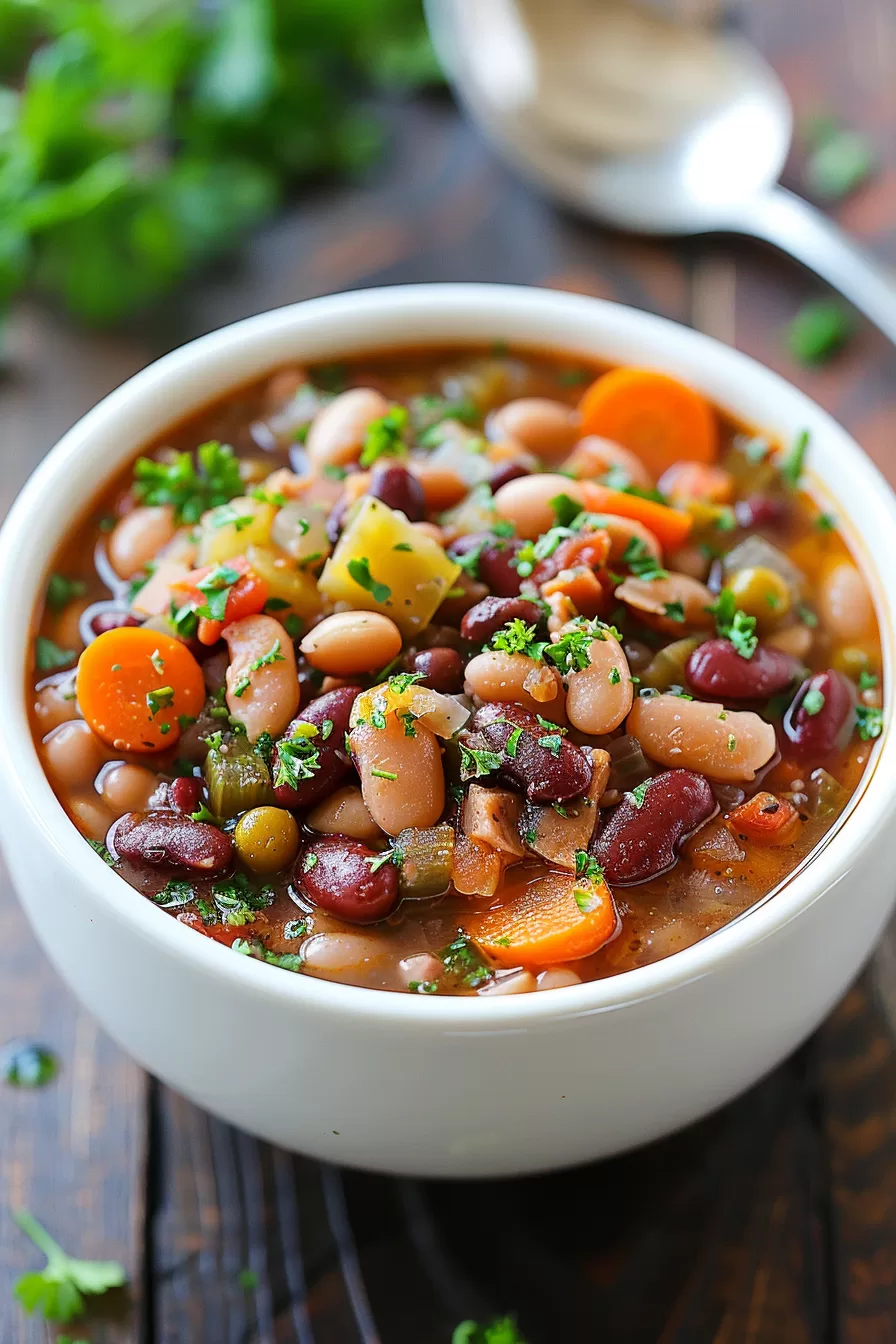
(407, 309)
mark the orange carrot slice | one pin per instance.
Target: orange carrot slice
(671, 527)
(134, 685)
(653, 415)
(556, 919)
(766, 820)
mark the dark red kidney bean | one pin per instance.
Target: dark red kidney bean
(507, 471)
(481, 621)
(335, 874)
(335, 519)
(441, 669)
(546, 774)
(334, 761)
(453, 609)
(496, 568)
(815, 735)
(716, 668)
(761, 511)
(170, 838)
(103, 616)
(395, 486)
(640, 841)
(184, 794)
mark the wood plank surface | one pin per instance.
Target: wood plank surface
(772, 1222)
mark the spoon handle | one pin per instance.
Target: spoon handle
(796, 227)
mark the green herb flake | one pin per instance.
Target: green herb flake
(869, 722)
(867, 681)
(247, 1279)
(359, 570)
(551, 742)
(639, 793)
(225, 515)
(565, 509)
(518, 637)
(819, 330)
(674, 611)
(384, 437)
(813, 702)
(394, 856)
(297, 757)
(59, 1289)
(384, 774)
(99, 848)
(216, 586)
(513, 742)
(190, 486)
(159, 699)
(463, 961)
(790, 465)
(733, 624)
(61, 591)
(423, 987)
(50, 657)
(475, 763)
(614, 676)
(642, 562)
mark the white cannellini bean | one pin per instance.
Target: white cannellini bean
(401, 777)
(270, 700)
(695, 735)
(844, 602)
(138, 537)
(336, 436)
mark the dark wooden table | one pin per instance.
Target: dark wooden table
(773, 1221)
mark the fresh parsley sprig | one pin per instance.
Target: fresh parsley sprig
(190, 486)
(733, 624)
(59, 1289)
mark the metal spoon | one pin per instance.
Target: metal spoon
(555, 88)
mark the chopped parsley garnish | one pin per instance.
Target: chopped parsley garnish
(813, 702)
(49, 656)
(293, 625)
(384, 774)
(674, 611)
(184, 619)
(475, 763)
(225, 515)
(275, 604)
(588, 867)
(216, 586)
(359, 570)
(551, 742)
(791, 464)
(587, 901)
(295, 928)
(461, 958)
(287, 961)
(59, 1289)
(393, 855)
(642, 562)
(100, 848)
(403, 546)
(326, 729)
(273, 655)
(334, 473)
(639, 793)
(469, 561)
(238, 903)
(825, 522)
(513, 742)
(615, 676)
(160, 699)
(839, 159)
(867, 681)
(423, 986)
(565, 509)
(190, 487)
(264, 747)
(518, 637)
(732, 742)
(570, 653)
(384, 437)
(157, 661)
(61, 591)
(297, 757)
(869, 722)
(176, 891)
(532, 551)
(733, 624)
(403, 680)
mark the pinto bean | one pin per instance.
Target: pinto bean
(441, 669)
(401, 776)
(818, 734)
(599, 696)
(844, 602)
(593, 456)
(73, 754)
(264, 698)
(488, 616)
(128, 788)
(662, 603)
(641, 839)
(527, 502)
(337, 432)
(333, 760)
(700, 736)
(350, 642)
(546, 428)
(547, 767)
(173, 839)
(344, 813)
(336, 873)
(499, 678)
(716, 668)
(138, 537)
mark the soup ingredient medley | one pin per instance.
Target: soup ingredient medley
(461, 672)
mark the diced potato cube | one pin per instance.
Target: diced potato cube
(382, 563)
(228, 531)
(286, 582)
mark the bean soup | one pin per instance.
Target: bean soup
(459, 672)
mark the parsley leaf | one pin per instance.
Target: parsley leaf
(273, 655)
(58, 1290)
(49, 656)
(565, 509)
(103, 852)
(791, 464)
(474, 763)
(501, 1331)
(384, 437)
(61, 591)
(642, 562)
(359, 570)
(216, 586)
(733, 624)
(297, 759)
(639, 793)
(570, 653)
(190, 487)
(588, 867)
(813, 702)
(674, 611)
(462, 959)
(177, 891)
(518, 637)
(869, 722)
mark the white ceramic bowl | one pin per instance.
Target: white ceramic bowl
(401, 1083)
